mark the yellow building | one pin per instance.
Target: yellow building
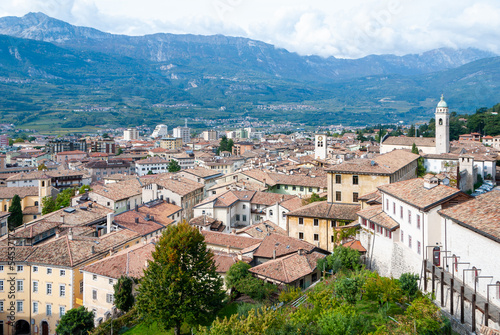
(171, 143)
(354, 178)
(318, 222)
(48, 278)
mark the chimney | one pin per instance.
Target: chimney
(58, 232)
(301, 251)
(62, 219)
(93, 250)
(136, 220)
(152, 218)
(136, 207)
(109, 222)
(240, 257)
(70, 234)
(274, 254)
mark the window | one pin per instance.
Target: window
(20, 268)
(401, 211)
(286, 187)
(270, 212)
(283, 214)
(316, 222)
(301, 236)
(81, 286)
(62, 310)
(244, 217)
(301, 221)
(1, 285)
(35, 269)
(333, 223)
(1, 268)
(294, 188)
(49, 271)
(49, 309)
(338, 196)
(244, 206)
(237, 217)
(419, 247)
(35, 307)
(409, 241)
(110, 298)
(94, 277)
(1, 306)
(20, 306)
(94, 294)
(278, 186)
(310, 189)
(111, 281)
(35, 286)
(62, 290)
(338, 179)
(418, 221)
(409, 216)
(316, 237)
(355, 180)
(20, 285)
(49, 288)
(402, 236)
(355, 197)
(332, 238)
(394, 208)
(387, 204)
(62, 273)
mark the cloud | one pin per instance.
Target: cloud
(343, 29)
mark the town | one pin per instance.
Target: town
(78, 213)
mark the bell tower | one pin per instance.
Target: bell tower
(442, 127)
(320, 146)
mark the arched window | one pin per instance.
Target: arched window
(283, 214)
(36, 203)
(270, 212)
(440, 122)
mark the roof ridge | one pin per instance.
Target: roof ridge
(69, 251)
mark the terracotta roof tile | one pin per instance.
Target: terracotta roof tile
(260, 230)
(481, 214)
(413, 192)
(408, 141)
(282, 245)
(289, 268)
(376, 214)
(323, 209)
(229, 240)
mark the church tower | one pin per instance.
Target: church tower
(320, 147)
(442, 127)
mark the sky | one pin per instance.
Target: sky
(340, 28)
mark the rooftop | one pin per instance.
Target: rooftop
(325, 210)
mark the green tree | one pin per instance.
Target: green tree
(173, 166)
(76, 321)
(223, 145)
(411, 132)
(181, 283)
(420, 161)
(16, 213)
(119, 151)
(237, 272)
(239, 278)
(42, 167)
(409, 284)
(230, 145)
(64, 198)
(124, 299)
(347, 289)
(84, 188)
(313, 198)
(341, 258)
(48, 205)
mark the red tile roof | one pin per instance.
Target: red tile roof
(277, 245)
(229, 240)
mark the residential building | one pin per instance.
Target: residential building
(171, 143)
(131, 134)
(151, 165)
(185, 160)
(65, 156)
(318, 223)
(210, 135)
(99, 169)
(184, 133)
(59, 145)
(4, 228)
(160, 131)
(174, 189)
(60, 179)
(240, 148)
(202, 175)
(398, 233)
(351, 179)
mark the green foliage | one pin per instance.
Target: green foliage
(16, 213)
(240, 279)
(409, 284)
(64, 198)
(124, 300)
(48, 205)
(313, 198)
(347, 289)
(120, 324)
(382, 289)
(119, 151)
(84, 188)
(173, 166)
(414, 149)
(225, 145)
(420, 162)
(343, 320)
(42, 167)
(181, 284)
(341, 258)
(76, 321)
(421, 317)
(290, 293)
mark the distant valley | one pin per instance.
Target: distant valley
(53, 74)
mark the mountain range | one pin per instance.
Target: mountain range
(84, 66)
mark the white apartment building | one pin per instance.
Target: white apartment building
(130, 134)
